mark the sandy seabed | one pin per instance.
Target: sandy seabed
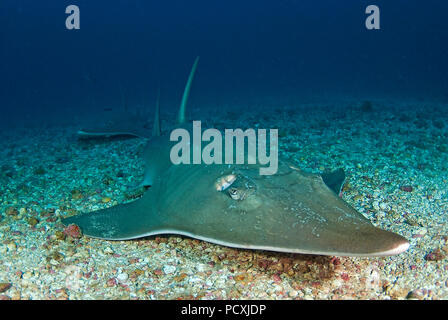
(394, 154)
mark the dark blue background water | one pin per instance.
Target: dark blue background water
(251, 51)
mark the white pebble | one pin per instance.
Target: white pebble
(169, 269)
(11, 246)
(108, 250)
(201, 267)
(122, 277)
(422, 231)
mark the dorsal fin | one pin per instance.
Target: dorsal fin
(181, 118)
(156, 128)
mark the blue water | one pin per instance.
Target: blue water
(274, 52)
